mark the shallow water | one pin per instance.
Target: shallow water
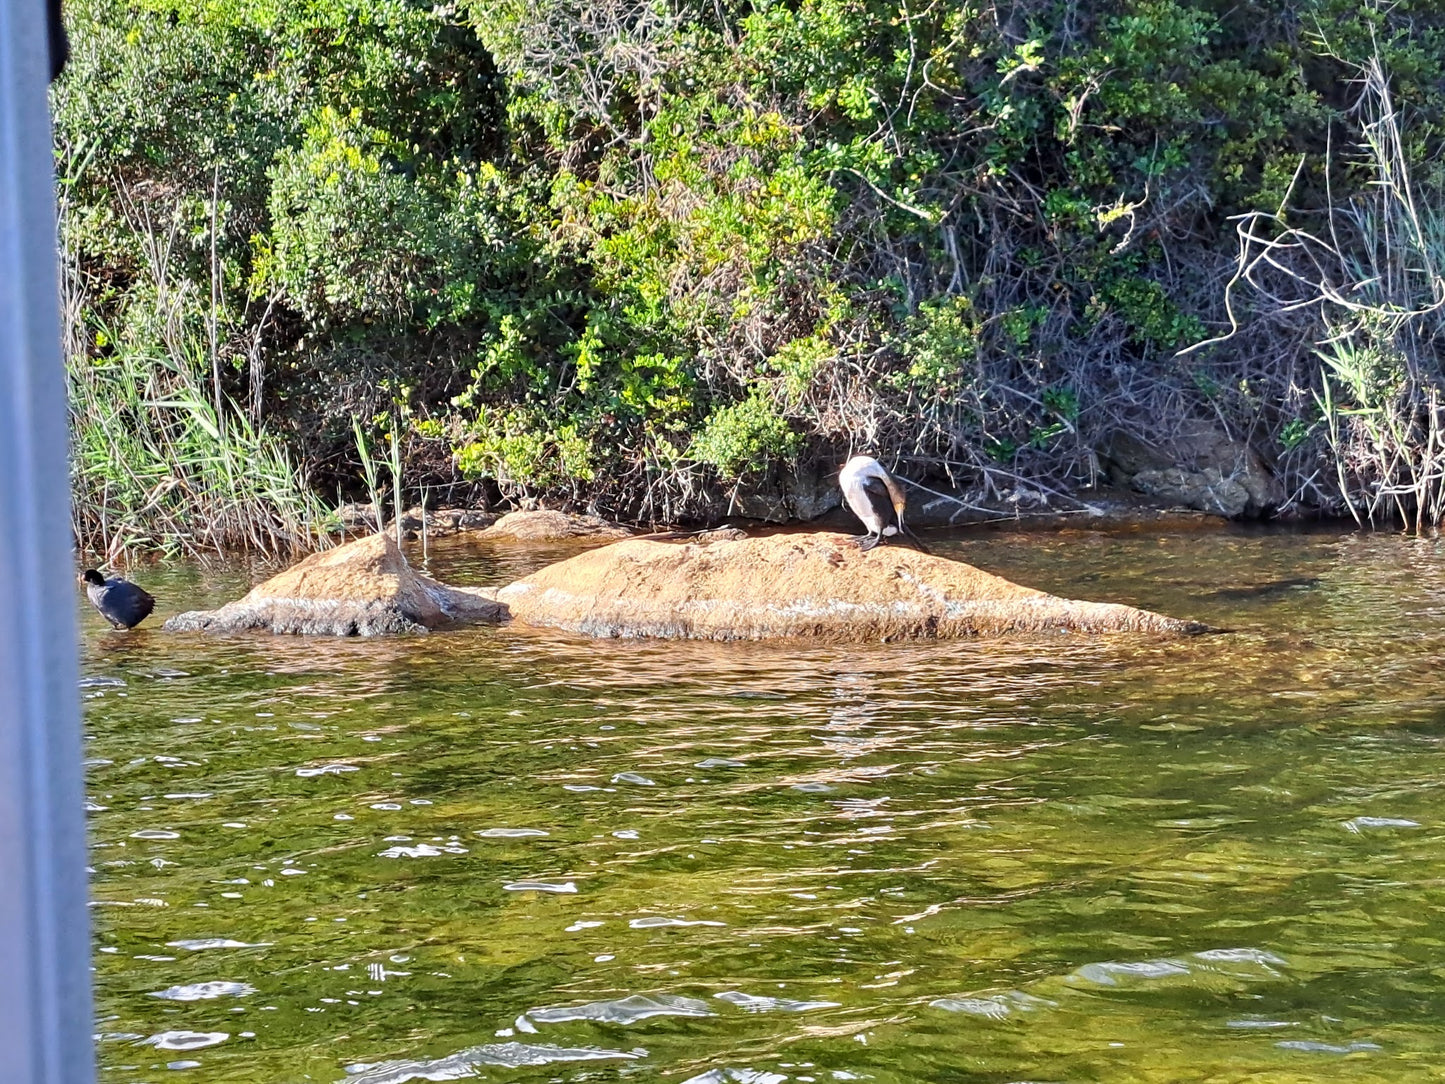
(516, 856)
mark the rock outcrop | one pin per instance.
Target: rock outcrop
(445, 521)
(810, 585)
(547, 525)
(1201, 468)
(788, 495)
(358, 518)
(364, 588)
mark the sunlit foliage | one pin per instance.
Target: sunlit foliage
(605, 245)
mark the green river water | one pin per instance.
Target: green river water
(514, 856)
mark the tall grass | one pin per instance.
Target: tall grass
(161, 457)
(368, 472)
(153, 468)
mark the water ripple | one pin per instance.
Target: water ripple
(205, 991)
(464, 1063)
(763, 1003)
(1239, 963)
(627, 1010)
(185, 1040)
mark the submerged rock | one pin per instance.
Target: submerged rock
(818, 585)
(364, 588)
(547, 525)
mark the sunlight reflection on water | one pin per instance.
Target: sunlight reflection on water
(521, 855)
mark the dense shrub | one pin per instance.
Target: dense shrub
(631, 252)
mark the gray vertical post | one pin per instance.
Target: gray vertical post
(45, 1008)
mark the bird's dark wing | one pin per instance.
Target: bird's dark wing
(122, 602)
(881, 501)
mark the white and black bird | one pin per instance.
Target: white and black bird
(119, 601)
(877, 499)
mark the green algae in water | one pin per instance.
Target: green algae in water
(506, 855)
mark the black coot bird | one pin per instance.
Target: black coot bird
(119, 601)
(877, 499)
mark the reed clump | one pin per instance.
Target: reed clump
(154, 467)
(161, 457)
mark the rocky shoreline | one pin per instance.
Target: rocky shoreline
(1200, 477)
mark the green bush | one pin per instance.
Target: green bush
(745, 436)
(601, 243)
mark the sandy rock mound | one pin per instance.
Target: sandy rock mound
(546, 525)
(363, 588)
(798, 585)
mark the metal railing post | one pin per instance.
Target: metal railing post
(45, 1003)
